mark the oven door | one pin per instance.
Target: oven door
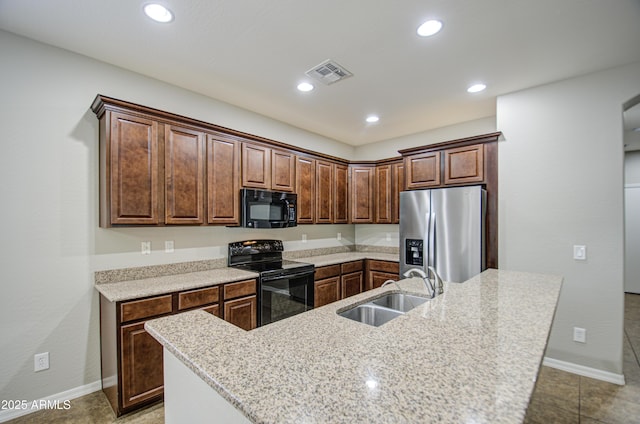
(285, 296)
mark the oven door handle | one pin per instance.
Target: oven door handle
(288, 276)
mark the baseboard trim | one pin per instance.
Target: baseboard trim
(584, 371)
(51, 401)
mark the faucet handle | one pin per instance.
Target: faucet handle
(437, 280)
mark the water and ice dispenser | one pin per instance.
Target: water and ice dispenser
(414, 253)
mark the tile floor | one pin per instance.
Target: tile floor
(559, 397)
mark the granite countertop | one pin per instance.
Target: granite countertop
(337, 258)
(470, 355)
(157, 285)
(135, 289)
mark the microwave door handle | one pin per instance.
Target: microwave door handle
(285, 212)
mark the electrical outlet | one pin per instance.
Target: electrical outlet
(580, 253)
(145, 247)
(388, 237)
(304, 238)
(339, 236)
(168, 246)
(41, 361)
(579, 335)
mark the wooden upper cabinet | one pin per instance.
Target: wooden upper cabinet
(422, 170)
(397, 185)
(306, 189)
(184, 175)
(324, 192)
(282, 170)
(383, 194)
(464, 164)
(362, 200)
(256, 166)
(223, 185)
(341, 194)
(130, 171)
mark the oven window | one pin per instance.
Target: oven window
(286, 297)
(265, 212)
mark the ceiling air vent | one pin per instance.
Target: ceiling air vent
(328, 72)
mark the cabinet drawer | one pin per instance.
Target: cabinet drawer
(199, 297)
(213, 310)
(393, 267)
(241, 288)
(351, 267)
(327, 271)
(145, 308)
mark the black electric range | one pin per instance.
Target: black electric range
(285, 286)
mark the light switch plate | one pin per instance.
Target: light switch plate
(145, 247)
(168, 246)
(579, 335)
(580, 253)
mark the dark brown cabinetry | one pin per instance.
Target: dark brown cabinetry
(184, 157)
(129, 171)
(241, 304)
(223, 185)
(464, 165)
(341, 194)
(423, 170)
(306, 189)
(380, 271)
(397, 185)
(351, 278)
(362, 200)
(326, 285)
(324, 192)
(383, 194)
(266, 168)
(131, 359)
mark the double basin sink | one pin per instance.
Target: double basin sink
(383, 309)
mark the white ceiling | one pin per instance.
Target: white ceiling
(253, 53)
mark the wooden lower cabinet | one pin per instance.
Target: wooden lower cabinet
(351, 284)
(142, 372)
(242, 312)
(380, 271)
(131, 359)
(326, 291)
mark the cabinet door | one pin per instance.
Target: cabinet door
(131, 168)
(377, 278)
(423, 170)
(242, 312)
(141, 364)
(306, 189)
(282, 170)
(383, 196)
(397, 185)
(184, 175)
(256, 166)
(223, 185)
(351, 284)
(464, 165)
(362, 201)
(341, 194)
(326, 291)
(324, 189)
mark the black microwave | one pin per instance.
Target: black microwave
(268, 209)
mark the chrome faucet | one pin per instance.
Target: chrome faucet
(433, 289)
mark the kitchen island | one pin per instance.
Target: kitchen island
(471, 355)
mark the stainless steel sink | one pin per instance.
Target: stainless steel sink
(383, 309)
(371, 314)
(399, 301)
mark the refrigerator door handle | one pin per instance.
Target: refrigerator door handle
(431, 259)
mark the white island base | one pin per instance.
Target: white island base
(188, 399)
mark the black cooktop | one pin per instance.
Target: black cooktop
(272, 265)
(265, 257)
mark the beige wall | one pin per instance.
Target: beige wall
(51, 240)
(561, 184)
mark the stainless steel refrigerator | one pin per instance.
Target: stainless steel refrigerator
(444, 228)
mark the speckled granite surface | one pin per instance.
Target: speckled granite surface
(469, 356)
(134, 289)
(134, 283)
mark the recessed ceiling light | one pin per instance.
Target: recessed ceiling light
(158, 12)
(429, 28)
(305, 86)
(372, 119)
(475, 88)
